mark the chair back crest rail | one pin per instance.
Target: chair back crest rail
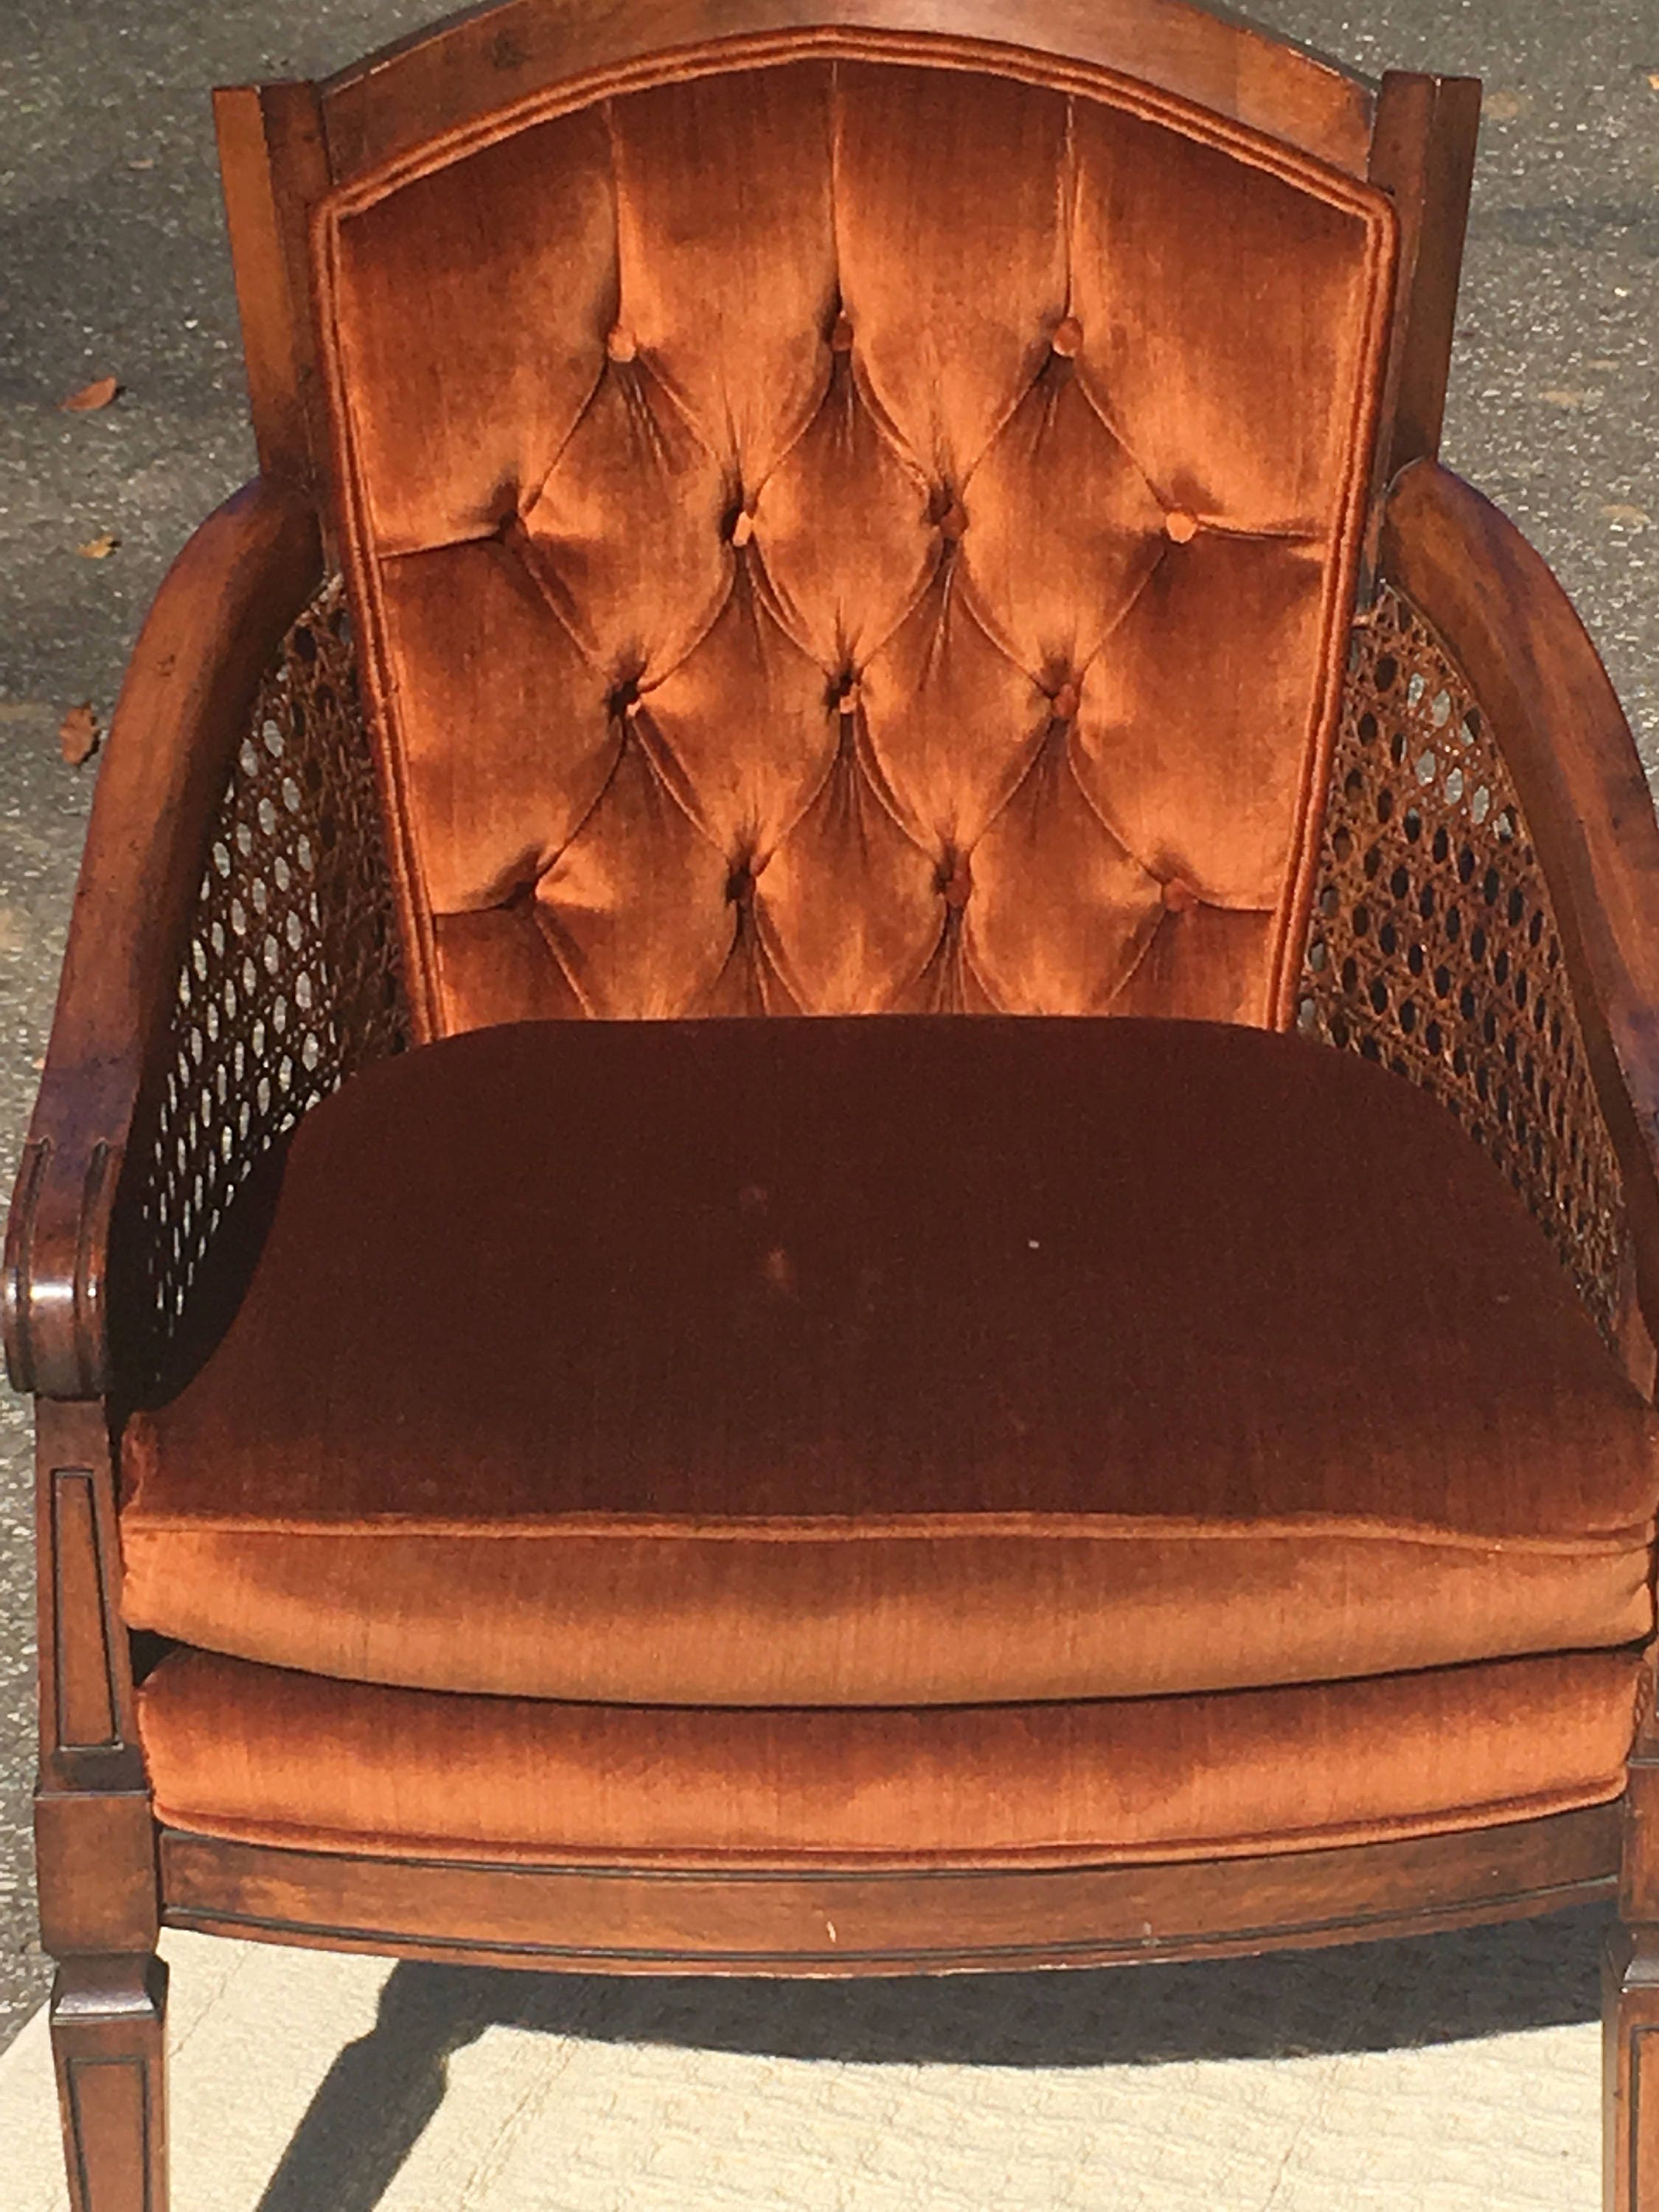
(506, 53)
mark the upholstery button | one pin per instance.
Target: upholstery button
(742, 527)
(1067, 338)
(1180, 897)
(619, 343)
(847, 701)
(952, 522)
(1065, 703)
(955, 881)
(1179, 525)
(740, 885)
(841, 338)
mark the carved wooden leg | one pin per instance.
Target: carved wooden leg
(109, 2038)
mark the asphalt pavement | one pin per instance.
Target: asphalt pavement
(112, 262)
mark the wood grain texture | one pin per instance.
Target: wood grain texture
(94, 1838)
(274, 167)
(493, 57)
(1638, 1889)
(95, 1865)
(847, 1922)
(87, 1724)
(108, 2025)
(1423, 155)
(204, 647)
(86, 1695)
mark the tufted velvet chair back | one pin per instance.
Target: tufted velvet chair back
(850, 534)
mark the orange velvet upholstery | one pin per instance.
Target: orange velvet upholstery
(917, 1361)
(846, 537)
(263, 1756)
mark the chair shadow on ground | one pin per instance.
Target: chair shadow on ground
(381, 2091)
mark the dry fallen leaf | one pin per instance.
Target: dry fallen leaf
(1502, 106)
(78, 734)
(142, 162)
(1631, 518)
(1559, 396)
(1653, 80)
(99, 549)
(91, 397)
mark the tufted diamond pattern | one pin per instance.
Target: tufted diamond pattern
(846, 537)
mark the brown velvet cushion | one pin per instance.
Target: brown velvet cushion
(917, 1360)
(801, 575)
(263, 1756)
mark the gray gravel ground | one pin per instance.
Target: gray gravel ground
(113, 261)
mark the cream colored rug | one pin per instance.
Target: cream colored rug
(1458, 2075)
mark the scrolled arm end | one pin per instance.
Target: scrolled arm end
(56, 1260)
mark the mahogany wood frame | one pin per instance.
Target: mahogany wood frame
(109, 1878)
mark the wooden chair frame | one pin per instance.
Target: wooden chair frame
(109, 1878)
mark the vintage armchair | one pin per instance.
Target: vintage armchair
(771, 510)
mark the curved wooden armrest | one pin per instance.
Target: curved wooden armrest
(1552, 711)
(208, 639)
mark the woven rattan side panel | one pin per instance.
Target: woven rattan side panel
(290, 978)
(1433, 948)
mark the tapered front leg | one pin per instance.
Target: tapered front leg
(109, 2042)
(1630, 2029)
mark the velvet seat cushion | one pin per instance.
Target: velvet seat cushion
(258, 1755)
(899, 1362)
